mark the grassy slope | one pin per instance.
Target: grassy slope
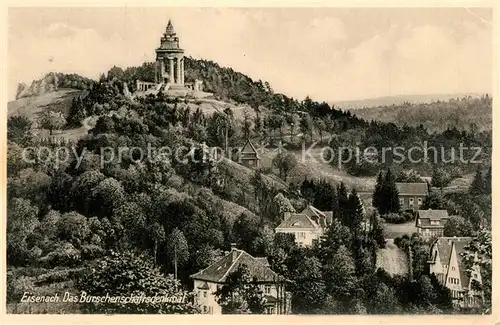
(32, 106)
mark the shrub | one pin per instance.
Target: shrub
(394, 218)
(64, 255)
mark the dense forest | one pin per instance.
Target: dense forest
(465, 113)
(104, 210)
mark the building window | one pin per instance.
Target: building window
(204, 294)
(453, 268)
(210, 309)
(270, 310)
(267, 289)
(302, 235)
(250, 162)
(475, 275)
(419, 201)
(204, 309)
(401, 201)
(411, 201)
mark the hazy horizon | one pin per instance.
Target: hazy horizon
(330, 54)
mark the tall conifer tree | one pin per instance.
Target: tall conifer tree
(478, 185)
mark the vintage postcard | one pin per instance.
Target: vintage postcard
(249, 160)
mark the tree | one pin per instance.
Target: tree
(391, 194)
(158, 235)
(336, 235)
(343, 199)
(73, 227)
(478, 185)
(433, 201)
(321, 127)
(21, 222)
(240, 294)
(386, 196)
(477, 255)
(285, 162)
(282, 205)
(384, 301)
(306, 126)
(245, 230)
(52, 120)
(125, 274)
(58, 193)
(487, 182)
(440, 178)
(246, 124)
(106, 197)
(177, 249)
(76, 113)
(340, 270)
(377, 193)
(308, 292)
(411, 176)
(354, 217)
(19, 129)
(457, 226)
(377, 231)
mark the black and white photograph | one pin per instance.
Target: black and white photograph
(249, 160)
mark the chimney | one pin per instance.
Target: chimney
(233, 246)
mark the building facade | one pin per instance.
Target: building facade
(248, 155)
(430, 223)
(412, 195)
(212, 278)
(446, 263)
(169, 66)
(307, 227)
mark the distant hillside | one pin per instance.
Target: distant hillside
(472, 113)
(398, 100)
(52, 82)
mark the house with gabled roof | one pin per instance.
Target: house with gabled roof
(212, 278)
(248, 155)
(307, 226)
(446, 263)
(412, 195)
(430, 223)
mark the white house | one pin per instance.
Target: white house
(445, 262)
(307, 226)
(208, 280)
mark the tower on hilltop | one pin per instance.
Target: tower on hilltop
(169, 66)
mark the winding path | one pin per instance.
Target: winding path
(392, 259)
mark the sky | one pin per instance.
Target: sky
(326, 53)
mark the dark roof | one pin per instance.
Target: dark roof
(433, 214)
(218, 271)
(249, 149)
(444, 245)
(412, 188)
(426, 216)
(322, 218)
(298, 221)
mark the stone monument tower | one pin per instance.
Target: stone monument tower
(169, 66)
